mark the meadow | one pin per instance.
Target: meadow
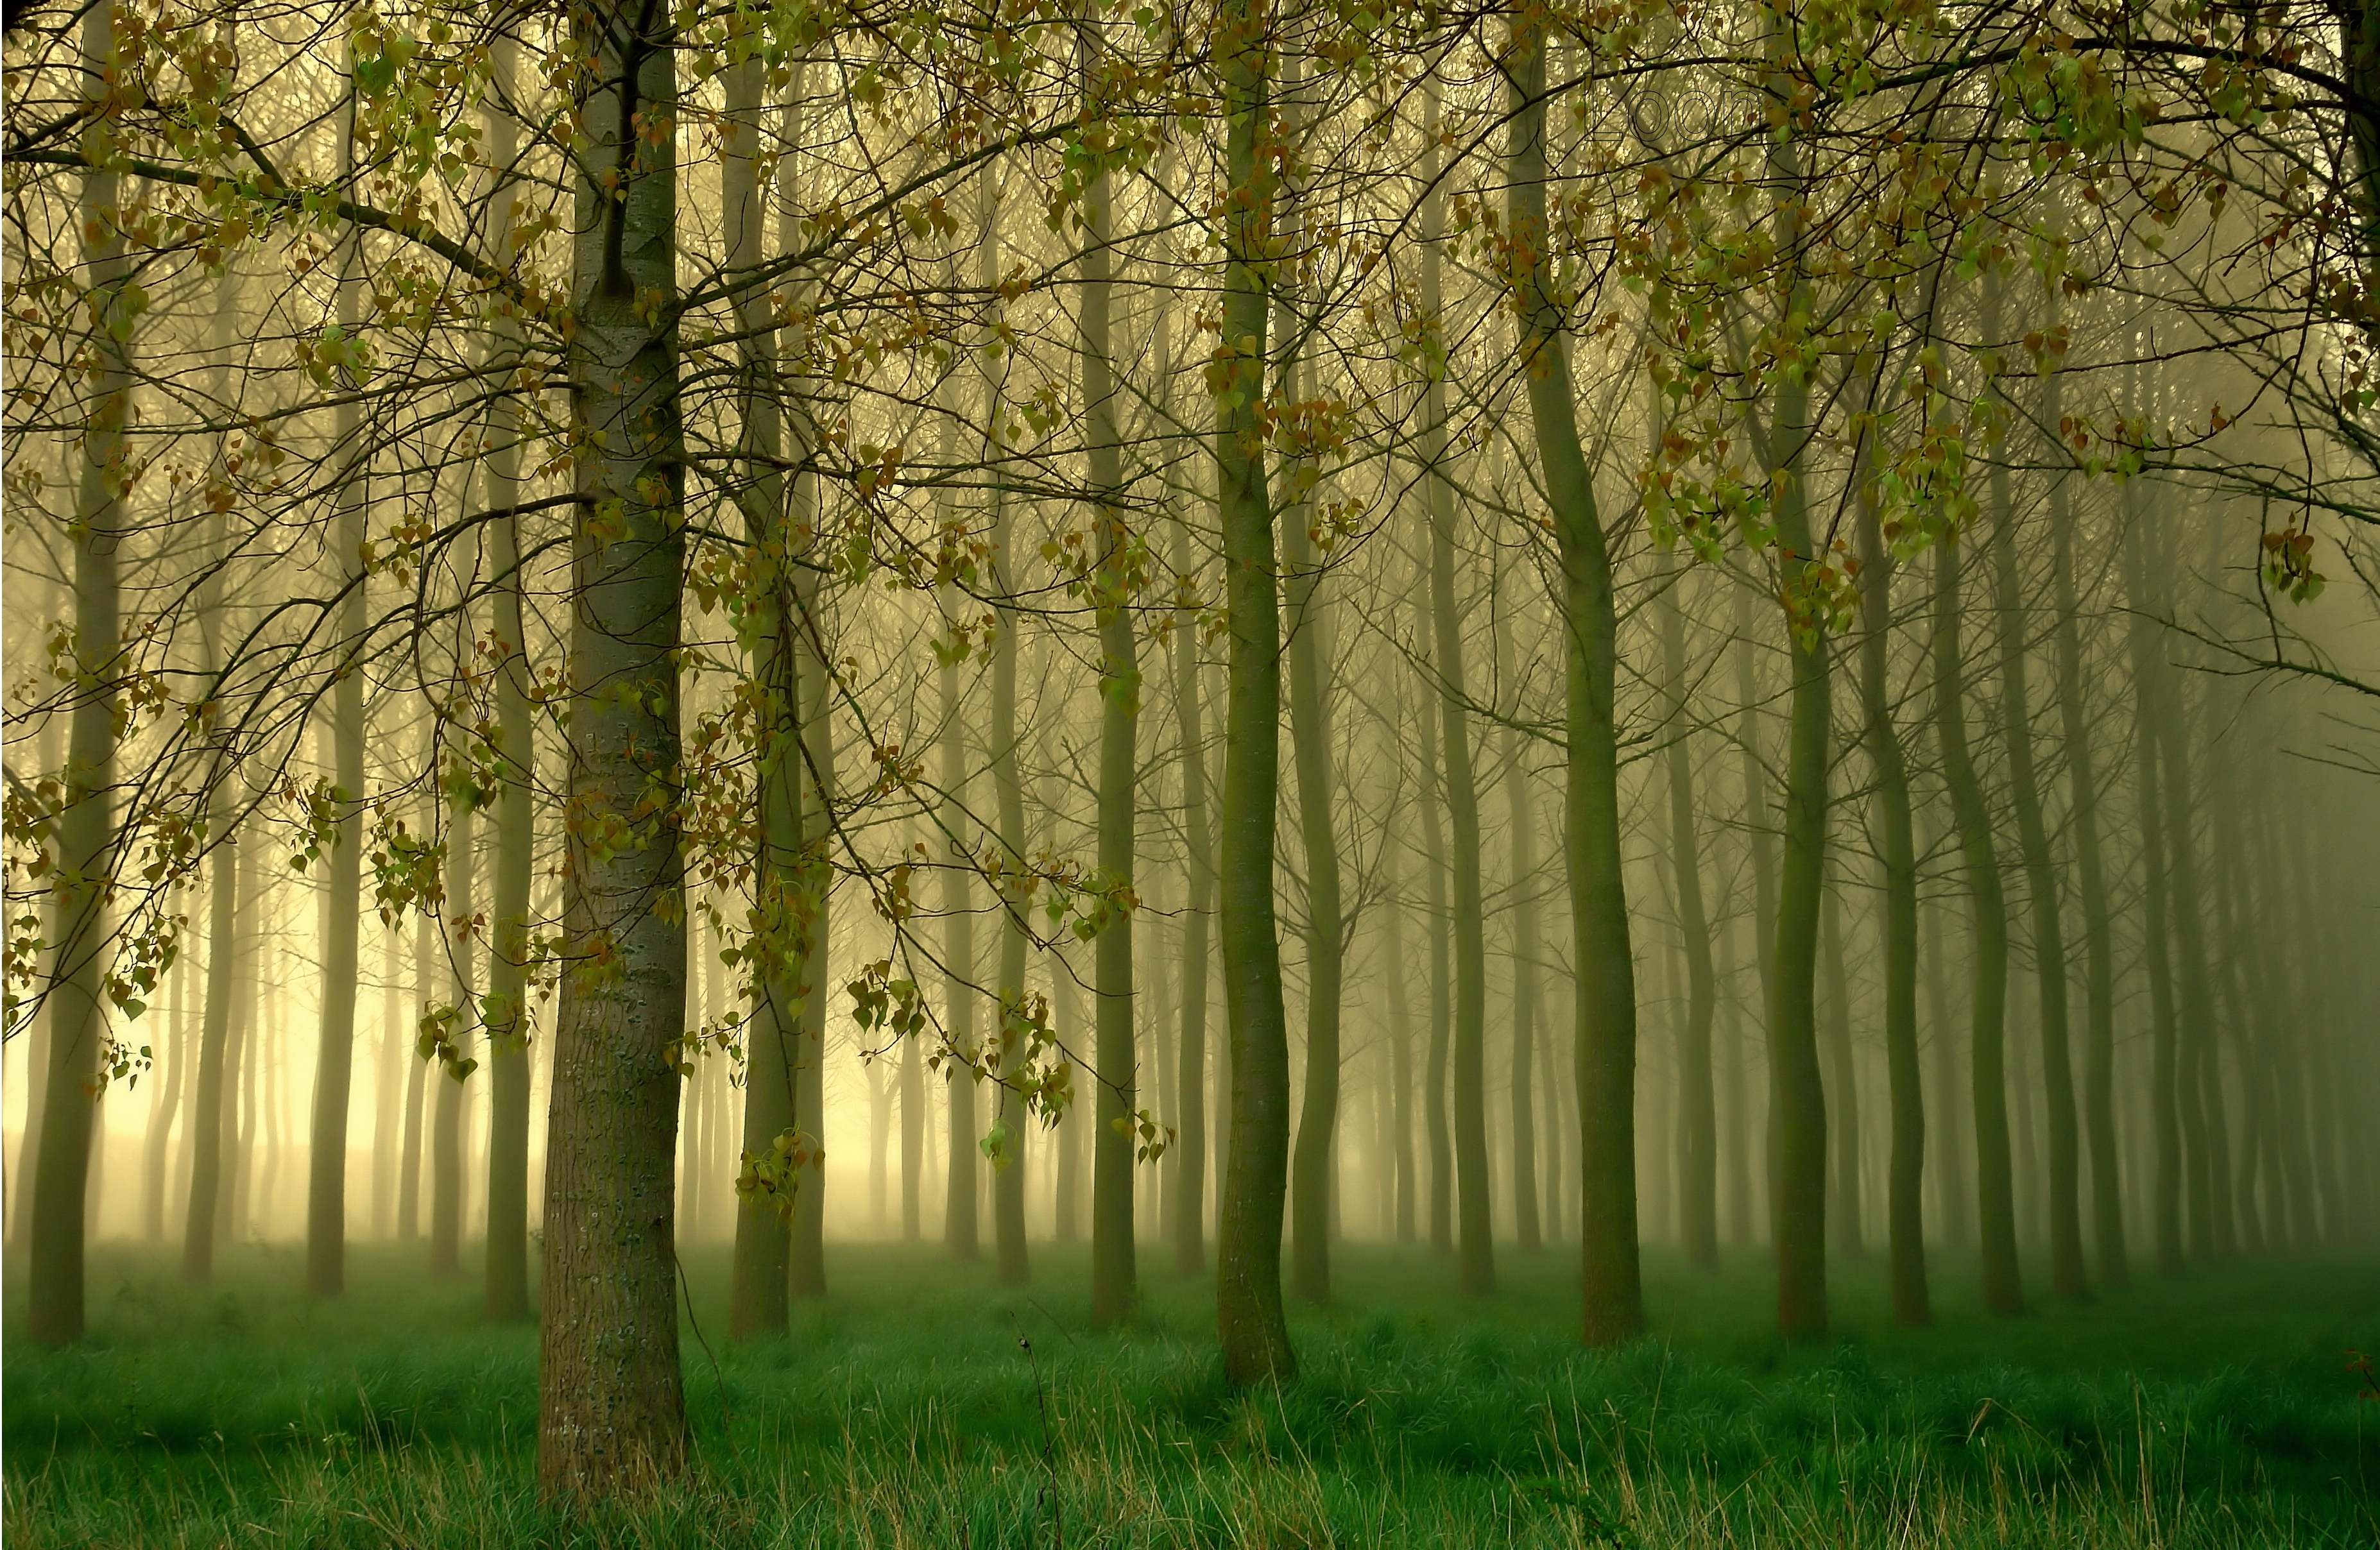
(922, 1405)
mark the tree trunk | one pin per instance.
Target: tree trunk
(1254, 1336)
(1112, 1139)
(175, 1058)
(326, 1180)
(409, 1192)
(1527, 1223)
(1474, 1227)
(509, 1023)
(1798, 1095)
(1441, 988)
(1844, 1207)
(86, 827)
(1187, 1199)
(612, 1410)
(1698, 1183)
(446, 1161)
(758, 1273)
(1310, 746)
(1905, 1203)
(2041, 881)
(1008, 1177)
(1611, 1293)
(959, 1225)
(1995, 1206)
(2083, 826)
(2203, 1135)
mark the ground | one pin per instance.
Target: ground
(922, 1405)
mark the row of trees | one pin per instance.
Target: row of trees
(452, 449)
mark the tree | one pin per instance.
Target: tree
(1611, 1286)
(1248, 1319)
(612, 1408)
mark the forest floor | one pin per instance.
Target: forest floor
(904, 1411)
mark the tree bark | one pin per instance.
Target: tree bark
(1475, 1236)
(1310, 747)
(1187, 1199)
(1996, 1207)
(326, 1177)
(1698, 1183)
(446, 1159)
(1008, 1179)
(158, 1143)
(1611, 1290)
(612, 1410)
(1113, 1270)
(2048, 913)
(1844, 1207)
(1254, 1336)
(758, 1274)
(1905, 1203)
(1527, 1223)
(509, 1023)
(1442, 987)
(86, 826)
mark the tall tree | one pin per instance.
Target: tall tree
(1309, 724)
(1612, 1288)
(79, 1035)
(1995, 1196)
(1474, 1237)
(1905, 1177)
(1528, 1225)
(1698, 1114)
(1008, 790)
(758, 1272)
(326, 1180)
(509, 1023)
(1186, 1201)
(2043, 885)
(1112, 584)
(612, 1408)
(1248, 1319)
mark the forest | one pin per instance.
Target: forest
(1271, 772)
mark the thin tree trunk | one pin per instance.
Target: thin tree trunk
(86, 827)
(1843, 1209)
(1310, 746)
(2041, 881)
(1112, 1271)
(1254, 1336)
(1698, 1181)
(1950, 1156)
(1187, 1200)
(1442, 990)
(509, 1023)
(1008, 1177)
(1995, 1206)
(759, 1283)
(1905, 1201)
(959, 1225)
(2082, 827)
(1611, 1293)
(326, 1182)
(1798, 1093)
(612, 1410)
(408, 1199)
(158, 1143)
(1474, 1227)
(2203, 1139)
(1527, 1223)
(446, 1161)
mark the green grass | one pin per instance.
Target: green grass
(903, 1412)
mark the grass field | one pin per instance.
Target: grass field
(904, 1412)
